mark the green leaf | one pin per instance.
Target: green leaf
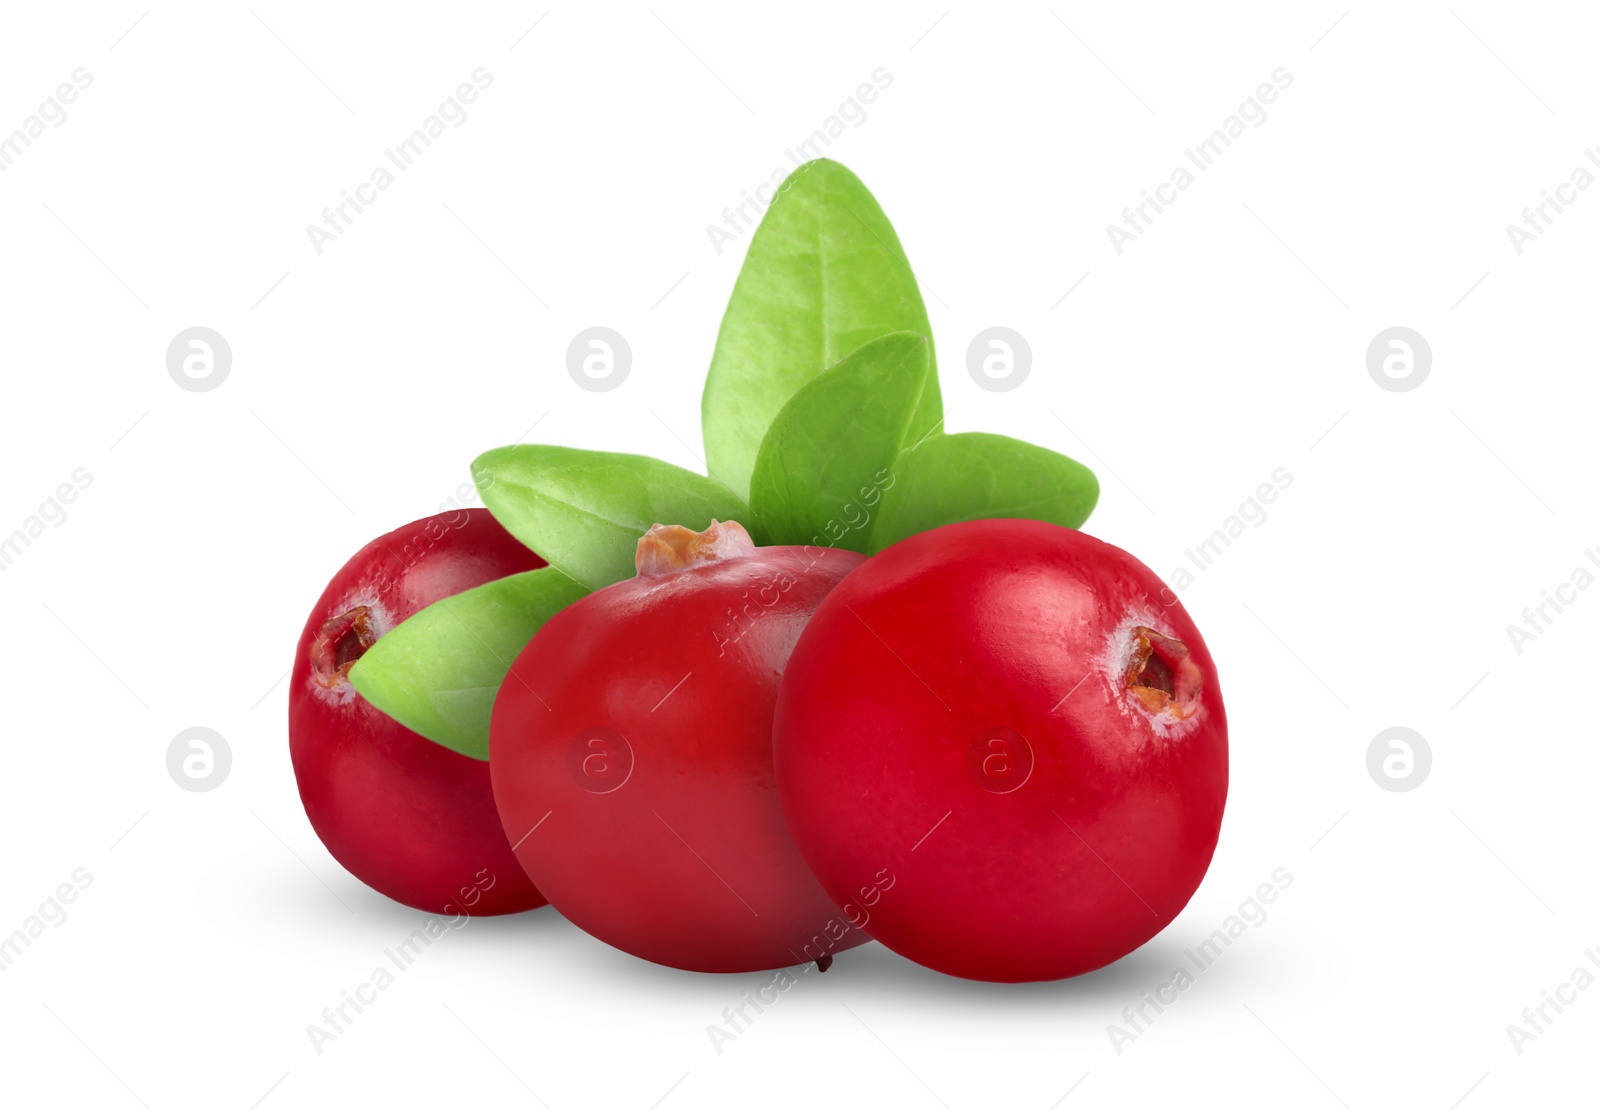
(825, 274)
(972, 475)
(837, 439)
(438, 672)
(584, 511)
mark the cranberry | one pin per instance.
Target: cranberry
(631, 750)
(1023, 725)
(408, 817)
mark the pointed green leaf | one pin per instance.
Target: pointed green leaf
(584, 511)
(824, 275)
(972, 475)
(836, 441)
(438, 672)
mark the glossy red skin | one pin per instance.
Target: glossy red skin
(412, 819)
(973, 627)
(687, 862)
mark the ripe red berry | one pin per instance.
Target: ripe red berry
(631, 749)
(1024, 726)
(408, 817)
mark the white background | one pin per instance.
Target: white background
(1227, 341)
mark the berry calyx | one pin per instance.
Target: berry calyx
(340, 643)
(672, 548)
(1162, 678)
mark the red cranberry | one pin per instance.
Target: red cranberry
(1023, 725)
(408, 817)
(631, 749)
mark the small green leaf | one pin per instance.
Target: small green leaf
(438, 672)
(584, 511)
(973, 475)
(837, 438)
(824, 275)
